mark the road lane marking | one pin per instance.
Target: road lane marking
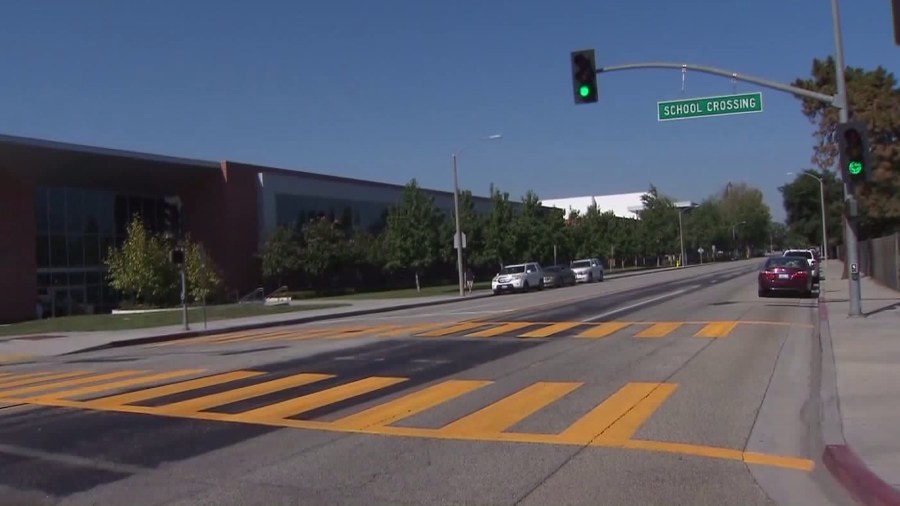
(410, 404)
(592, 425)
(609, 425)
(550, 330)
(639, 304)
(512, 409)
(17, 392)
(11, 358)
(319, 399)
(603, 330)
(92, 389)
(500, 329)
(716, 329)
(227, 397)
(453, 329)
(413, 329)
(174, 388)
(661, 329)
(36, 377)
(369, 331)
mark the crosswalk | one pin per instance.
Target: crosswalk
(296, 399)
(13, 358)
(483, 330)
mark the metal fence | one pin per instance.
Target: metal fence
(879, 259)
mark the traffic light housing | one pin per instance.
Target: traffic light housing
(853, 151)
(176, 256)
(584, 76)
(895, 10)
(171, 220)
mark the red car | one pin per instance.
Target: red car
(786, 274)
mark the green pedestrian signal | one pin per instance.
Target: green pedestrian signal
(853, 151)
(584, 76)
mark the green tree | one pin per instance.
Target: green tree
(874, 98)
(282, 255)
(705, 227)
(659, 224)
(499, 234)
(532, 239)
(802, 203)
(140, 269)
(325, 249)
(202, 275)
(747, 215)
(413, 229)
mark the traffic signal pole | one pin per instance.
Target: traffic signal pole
(839, 101)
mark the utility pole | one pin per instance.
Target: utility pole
(458, 240)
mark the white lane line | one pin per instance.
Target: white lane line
(639, 304)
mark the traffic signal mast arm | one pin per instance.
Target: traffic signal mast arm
(833, 100)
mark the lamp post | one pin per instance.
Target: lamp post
(458, 236)
(822, 204)
(733, 235)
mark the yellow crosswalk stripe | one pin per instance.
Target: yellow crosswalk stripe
(453, 329)
(603, 330)
(371, 331)
(659, 329)
(625, 427)
(602, 417)
(240, 394)
(411, 329)
(14, 357)
(500, 329)
(716, 329)
(37, 377)
(409, 405)
(174, 388)
(78, 392)
(312, 401)
(510, 410)
(550, 330)
(15, 392)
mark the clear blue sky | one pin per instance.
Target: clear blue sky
(388, 90)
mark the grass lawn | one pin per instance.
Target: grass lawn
(427, 291)
(85, 323)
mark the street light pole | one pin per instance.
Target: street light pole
(458, 240)
(824, 227)
(681, 233)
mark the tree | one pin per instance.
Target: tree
(802, 203)
(499, 235)
(705, 227)
(533, 241)
(324, 249)
(141, 268)
(282, 254)
(873, 97)
(746, 215)
(202, 275)
(659, 224)
(412, 234)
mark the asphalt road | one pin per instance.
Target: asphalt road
(679, 387)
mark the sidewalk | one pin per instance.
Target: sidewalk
(861, 388)
(63, 343)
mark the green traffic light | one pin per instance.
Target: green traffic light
(584, 91)
(855, 168)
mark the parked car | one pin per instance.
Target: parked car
(588, 270)
(559, 275)
(811, 257)
(518, 277)
(791, 274)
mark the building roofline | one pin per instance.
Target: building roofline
(95, 150)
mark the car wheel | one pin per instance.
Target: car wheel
(602, 274)
(541, 285)
(525, 287)
(762, 293)
(496, 292)
(590, 277)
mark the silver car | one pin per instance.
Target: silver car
(588, 270)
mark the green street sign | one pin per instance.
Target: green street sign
(723, 105)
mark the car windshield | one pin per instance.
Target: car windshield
(581, 263)
(804, 254)
(513, 269)
(786, 262)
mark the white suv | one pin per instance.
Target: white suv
(588, 270)
(810, 256)
(518, 277)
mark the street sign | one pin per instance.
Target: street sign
(723, 105)
(700, 250)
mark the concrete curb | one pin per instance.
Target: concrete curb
(175, 336)
(847, 468)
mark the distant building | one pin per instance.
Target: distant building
(623, 205)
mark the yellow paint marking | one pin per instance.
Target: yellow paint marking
(659, 329)
(16, 392)
(453, 329)
(266, 336)
(603, 330)
(240, 394)
(315, 400)
(13, 357)
(37, 377)
(78, 392)
(371, 331)
(615, 407)
(549, 330)
(510, 410)
(625, 427)
(716, 329)
(500, 329)
(411, 329)
(409, 405)
(175, 388)
(786, 462)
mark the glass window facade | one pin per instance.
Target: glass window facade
(76, 227)
(296, 210)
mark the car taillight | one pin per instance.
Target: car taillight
(800, 274)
